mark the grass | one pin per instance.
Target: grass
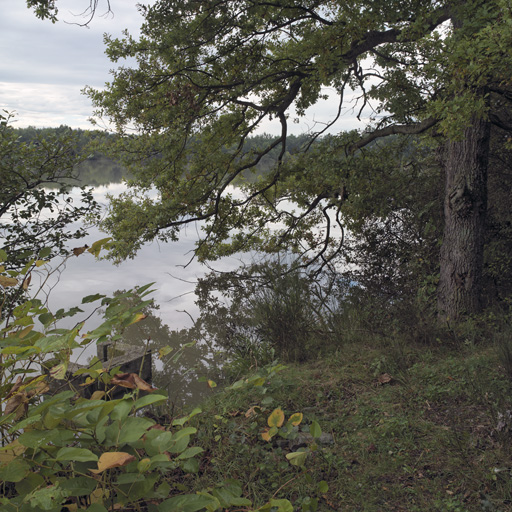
(426, 440)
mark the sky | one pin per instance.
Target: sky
(44, 66)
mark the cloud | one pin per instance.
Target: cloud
(43, 105)
(44, 66)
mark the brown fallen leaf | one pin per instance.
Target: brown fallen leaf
(111, 460)
(131, 381)
(252, 411)
(385, 378)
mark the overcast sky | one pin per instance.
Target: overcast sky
(44, 66)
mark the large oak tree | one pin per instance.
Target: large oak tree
(205, 75)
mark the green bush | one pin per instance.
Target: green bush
(97, 453)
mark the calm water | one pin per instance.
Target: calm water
(166, 266)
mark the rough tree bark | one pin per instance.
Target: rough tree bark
(465, 205)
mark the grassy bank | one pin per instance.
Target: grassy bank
(411, 429)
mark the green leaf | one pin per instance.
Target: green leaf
(29, 483)
(37, 438)
(45, 252)
(297, 458)
(133, 428)
(229, 495)
(188, 503)
(78, 454)
(78, 486)
(182, 421)
(92, 298)
(190, 452)
(15, 471)
(121, 410)
(46, 498)
(142, 289)
(323, 487)
(96, 507)
(46, 318)
(191, 465)
(96, 247)
(280, 505)
(149, 400)
(162, 491)
(129, 478)
(180, 444)
(315, 430)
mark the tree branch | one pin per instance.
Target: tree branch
(394, 129)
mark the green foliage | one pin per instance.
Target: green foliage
(195, 121)
(32, 216)
(60, 448)
(269, 310)
(44, 9)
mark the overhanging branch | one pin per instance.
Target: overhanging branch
(395, 129)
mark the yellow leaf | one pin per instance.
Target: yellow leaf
(144, 465)
(58, 371)
(25, 331)
(40, 263)
(269, 433)
(276, 418)
(265, 435)
(295, 419)
(88, 380)
(96, 247)
(164, 351)
(98, 395)
(137, 318)
(211, 384)
(8, 281)
(99, 495)
(111, 460)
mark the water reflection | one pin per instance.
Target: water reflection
(169, 267)
(179, 357)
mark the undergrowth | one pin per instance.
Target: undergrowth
(410, 428)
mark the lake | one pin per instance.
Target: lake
(166, 266)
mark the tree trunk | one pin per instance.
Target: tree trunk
(465, 205)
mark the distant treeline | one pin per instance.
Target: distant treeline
(98, 170)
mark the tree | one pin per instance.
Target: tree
(209, 73)
(48, 9)
(31, 216)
